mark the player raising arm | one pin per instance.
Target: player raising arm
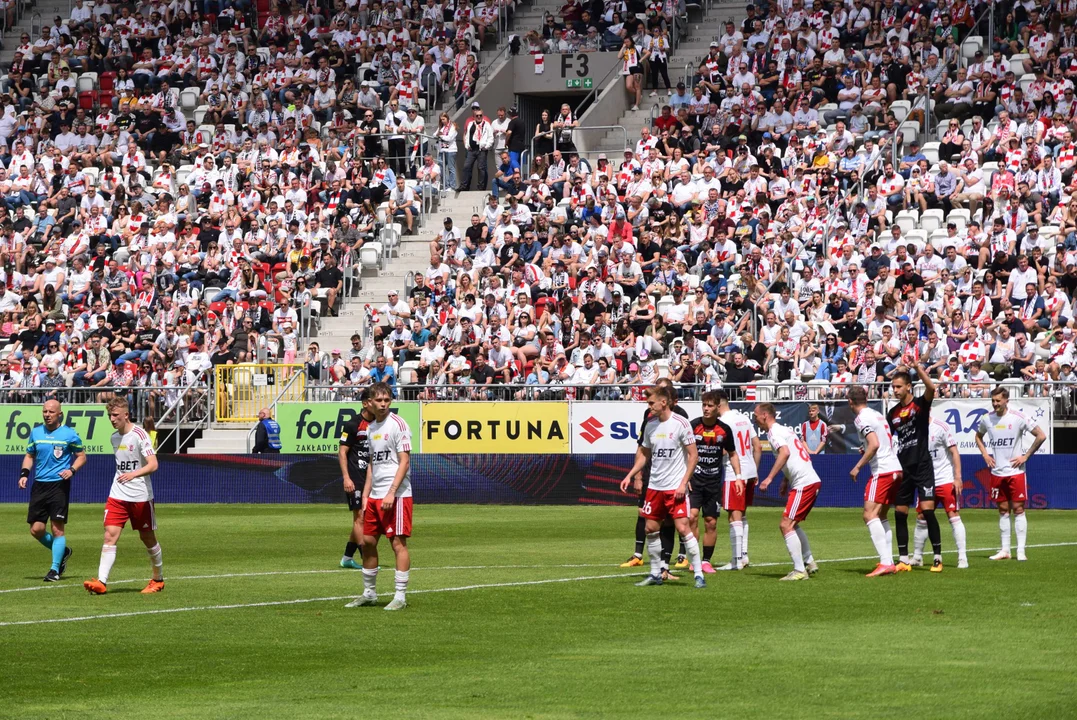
(947, 462)
(131, 498)
(55, 453)
(354, 456)
(669, 445)
(738, 495)
(792, 459)
(386, 498)
(1004, 429)
(715, 446)
(881, 490)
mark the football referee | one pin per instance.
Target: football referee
(55, 453)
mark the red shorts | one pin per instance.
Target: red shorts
(141, 515)
(732, 500)
(661, 504)
(1011, 488)
(799, 502)
(883, 488)
(390, 523)
(945, 498)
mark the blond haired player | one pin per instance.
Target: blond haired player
(131, 497)
(738, 496)
(386, 500)
(947, 461)
(881, 491)
(1004, 429)
(800, 481)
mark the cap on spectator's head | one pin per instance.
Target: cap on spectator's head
(767, 136)
(714, 44)
(50, 321)
(476, 106)
(633, 366)
(637, 170)
(335, 351)
(50, 259)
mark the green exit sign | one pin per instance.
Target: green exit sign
(588, 83)
(572, 83)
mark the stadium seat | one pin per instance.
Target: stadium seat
(931, 152)
(961, 216)
(87, 82)
(931, 220)
(370, 255)
(1017, 63)
(907, 220)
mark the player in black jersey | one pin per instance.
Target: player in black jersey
(714, 440)
(667, 530)
(354, 455)
(910, 425)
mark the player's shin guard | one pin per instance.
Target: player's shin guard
(641, 535)
(654, 552)
(1004, 530)
(933, 532)
(46, 540)
(155, 560)
(666, 533)
(108, 558)
(919, 537)
(901, 520)
(370, 582)
(878, 539)
(796, 552)
(805, 548)
(736, 542)
(691, 551)
(1020, 526)
(401, 587)
(958, 528)
(59, 545)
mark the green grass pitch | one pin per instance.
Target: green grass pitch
(541, 623)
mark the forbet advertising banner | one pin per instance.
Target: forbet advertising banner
(315, 427)
(613, 427)
(963, 416)
(498, 428)
(89, 421)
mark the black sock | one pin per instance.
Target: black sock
(682, 552)
(901, 525)
(933, 532)
(666, 533)
(708, 550)
(350, 549)
(641, 535)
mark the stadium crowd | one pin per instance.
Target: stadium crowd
(776, 221)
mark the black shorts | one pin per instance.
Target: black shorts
(355, 499)
(915, 485)
(49, 500)
(706, 496)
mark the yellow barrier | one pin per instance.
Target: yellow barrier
(243, 390)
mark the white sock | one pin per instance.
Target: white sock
(155, 560)
(1004, 531)
(958, 528)
(401, 584)
(1020, 524)
(654, 553)
(878, 538)
(792, 544)
(736, 541)
(370, 581)
(744, 538)
(108, 557)
(888, 538)
(919, 537)
(805, 548)
(691, 546)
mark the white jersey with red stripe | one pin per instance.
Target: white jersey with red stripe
(940, 440)
(798, 468)
(388, 439)
(885, 460)
(132, 450)
(667, 440)
(1003, 438)
(743, 434)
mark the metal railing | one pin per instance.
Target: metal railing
(286, 394)
(582, 153)
(242, 390)
(191, 411)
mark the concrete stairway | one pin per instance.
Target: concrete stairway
(222, 440)
(48, 9)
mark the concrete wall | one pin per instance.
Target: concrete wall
(558, 70)
(607, 109)
(496, 93)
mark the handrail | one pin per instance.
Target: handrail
(273, 405)
(597, 87)
(688, 75)
(189, 411)
(582, 153)
(484, 69)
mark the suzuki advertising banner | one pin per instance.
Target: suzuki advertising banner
(315, 427)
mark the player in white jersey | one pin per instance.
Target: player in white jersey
(881, 491)
(800, 481)
(386, 497)
(131, 498)
(1005, 429)
(738, 496)
(669, 444)
(947, 463)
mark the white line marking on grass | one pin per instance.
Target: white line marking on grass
(329, 571)
(275, 603)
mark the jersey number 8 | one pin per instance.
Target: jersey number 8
(802, 449)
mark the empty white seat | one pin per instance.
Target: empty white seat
(960, 216)
(87, 82)
(1017, 63)
(188, 99)
(931, 152)
(370, 254)
(931, 219)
